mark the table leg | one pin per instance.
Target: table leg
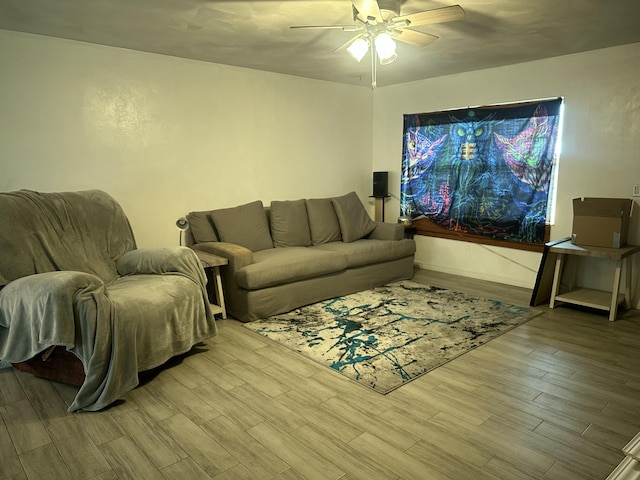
(379, 209)
(557, 276)
(627, 283)
(219, 292)
(613, 309)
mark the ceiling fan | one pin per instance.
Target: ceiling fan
(379, 22)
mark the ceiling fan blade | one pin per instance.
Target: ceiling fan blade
(367, 10)
(413, 37)
(427, 17)
(344, 28)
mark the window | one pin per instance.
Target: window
(483, 174)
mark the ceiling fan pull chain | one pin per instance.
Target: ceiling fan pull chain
(374, 68)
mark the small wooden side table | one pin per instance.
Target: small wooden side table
(586, 297)
(214, 262)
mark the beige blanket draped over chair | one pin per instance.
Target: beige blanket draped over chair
(71, 276)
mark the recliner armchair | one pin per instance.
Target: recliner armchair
(72, 278)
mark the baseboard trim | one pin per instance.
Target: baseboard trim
(479, 275)
(635, 303)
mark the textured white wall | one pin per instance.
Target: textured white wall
(166, 136)
(600, 150)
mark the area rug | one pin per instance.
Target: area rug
(387, 336)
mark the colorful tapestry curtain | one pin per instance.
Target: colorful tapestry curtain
(484, 171)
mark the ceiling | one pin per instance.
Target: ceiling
(256, 34)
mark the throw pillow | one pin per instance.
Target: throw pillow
(201, 227)
(244, 225)
(289, 223)
(354, 220)
(323, 222)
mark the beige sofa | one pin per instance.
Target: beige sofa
(298, 252)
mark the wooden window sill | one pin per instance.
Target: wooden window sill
(426, 227)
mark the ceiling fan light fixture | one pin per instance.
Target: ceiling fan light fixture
(389, 59)
(378, 20)
(358, 49)
(385, 48)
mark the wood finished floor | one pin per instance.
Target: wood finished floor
(556, 398)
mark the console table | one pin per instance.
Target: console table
(214, 262)
(587, 297)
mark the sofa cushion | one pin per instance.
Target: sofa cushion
(287, 265)
(201, 227)
(323, 222)
(354, 220)
(289, 223)
(366, 251)
(244, 225)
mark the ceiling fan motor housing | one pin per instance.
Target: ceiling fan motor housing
(375, 12)
(389, 8)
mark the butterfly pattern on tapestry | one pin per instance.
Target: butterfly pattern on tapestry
(484, 171)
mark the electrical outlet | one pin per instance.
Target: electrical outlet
(636, 190)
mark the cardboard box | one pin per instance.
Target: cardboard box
(601, 222)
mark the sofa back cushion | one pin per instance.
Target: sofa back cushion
(354, 220)
(323, 222)
(201, 227)
(289, 223)
(244, 225)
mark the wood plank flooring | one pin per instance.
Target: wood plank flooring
(556, 398)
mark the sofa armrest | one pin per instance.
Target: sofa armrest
(158, 261)
(387, 231)
(237, 255)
